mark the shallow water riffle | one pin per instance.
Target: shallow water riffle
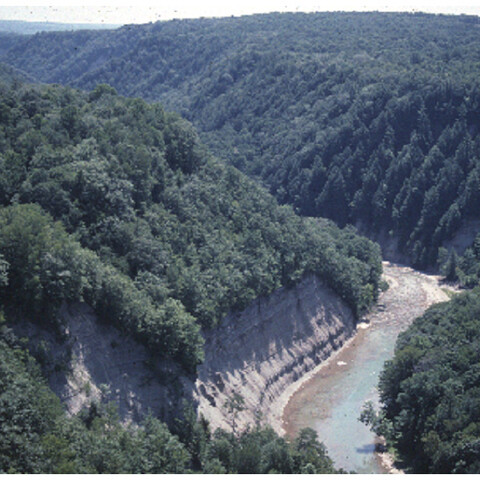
(331, 401)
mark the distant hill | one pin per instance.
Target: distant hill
(365, 118)
(30, 28)
(10, 75)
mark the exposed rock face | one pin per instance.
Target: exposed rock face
(391, 249)
(96, 362)
(268, 346)
(117, 368)
(257, 353)
(464, 236)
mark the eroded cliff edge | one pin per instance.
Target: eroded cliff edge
(95, 362)
(259, 352)
(256, 353)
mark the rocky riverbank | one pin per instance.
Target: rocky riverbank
(331, 400)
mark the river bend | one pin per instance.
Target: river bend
(331, 400)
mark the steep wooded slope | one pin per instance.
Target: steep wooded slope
(370, 119)
(179, 239)
(114, 203)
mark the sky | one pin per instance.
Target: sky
(142, 12)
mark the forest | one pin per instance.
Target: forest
(343, 122)
(116, 203)
(364, 118)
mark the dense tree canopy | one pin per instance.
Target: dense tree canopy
(134, 185)
(430, 390)
(365, 118)
(116, 203)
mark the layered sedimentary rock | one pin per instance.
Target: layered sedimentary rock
(95, 362)
(259, 352)
(256, 353)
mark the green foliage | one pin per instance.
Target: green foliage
(430, 390)
(27, 411)
(451, 267)
(373, 129)
(47, 267)
(40, 258)
(464, 269)
(3, 271)
(261, 450)
(233, 406)
(134, 185)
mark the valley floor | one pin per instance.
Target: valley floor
(330, 400)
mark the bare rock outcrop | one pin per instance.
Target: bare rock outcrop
(95, 362)
(464, 236)
(259, 352)
(256, 353)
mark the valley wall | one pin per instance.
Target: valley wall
(257, 353)
(391, 251)
(95, 362)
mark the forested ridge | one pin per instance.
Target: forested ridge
(365, 118)
(133, 184)
(116, 203)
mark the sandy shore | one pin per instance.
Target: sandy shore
(388, 462)
(330, 366)
(276, 419)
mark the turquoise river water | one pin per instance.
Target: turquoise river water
(331, 401)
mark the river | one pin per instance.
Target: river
(330, 402)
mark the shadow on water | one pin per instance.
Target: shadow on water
(367, 449)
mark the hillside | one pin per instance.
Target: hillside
(115, 204)
(135, 185)
(365, 118)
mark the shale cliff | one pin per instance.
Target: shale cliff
(95, 362)
(256, 353)
(259, 352)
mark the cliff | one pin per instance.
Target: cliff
(95, 362)
(259, 352)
